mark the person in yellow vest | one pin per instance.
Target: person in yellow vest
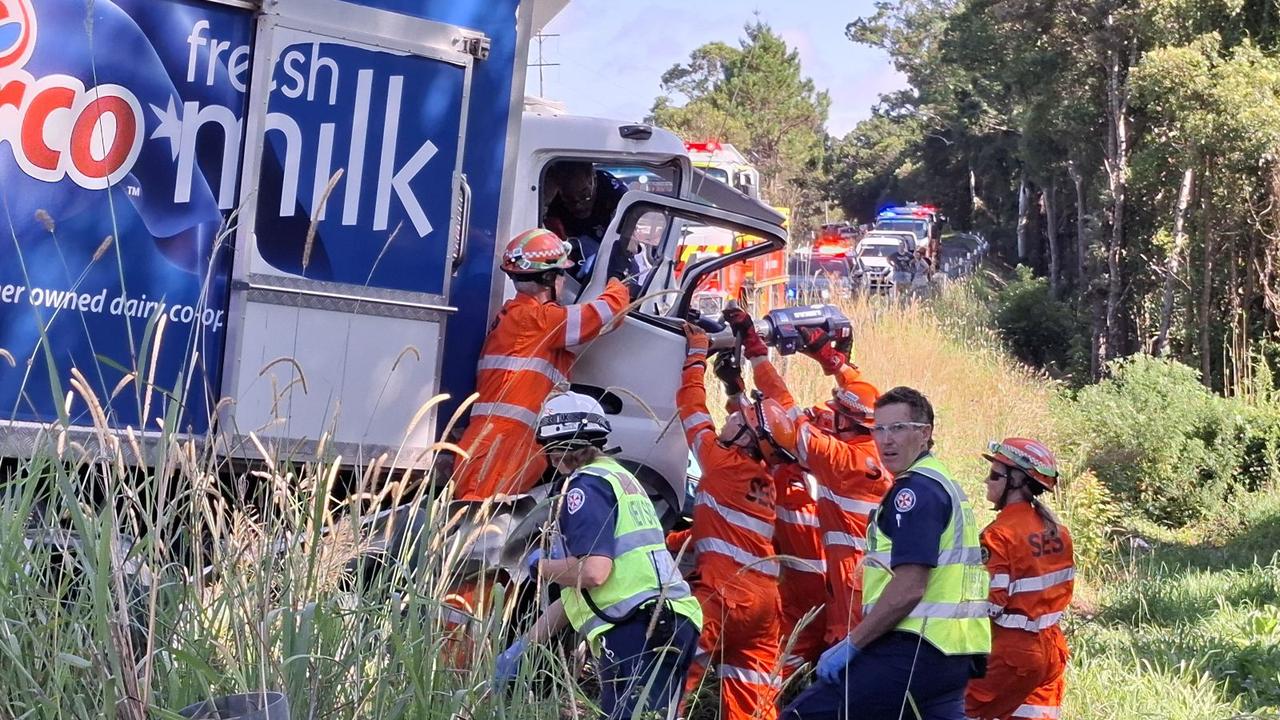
(924, 631)
(620, 587)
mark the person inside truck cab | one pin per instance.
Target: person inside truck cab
(582, 210)
(525, 356)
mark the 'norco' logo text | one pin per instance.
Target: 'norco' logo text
(61, 128)
(17, 33)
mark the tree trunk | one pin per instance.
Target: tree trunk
(1049, 203)
(1206, 297)
(975, 202)
(1117, 177)
(1077, 179)
(1024, 210)
(1173, 263)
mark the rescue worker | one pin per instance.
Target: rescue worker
(1029, 556)
(526, 354)
(620, 588)
(582, 210)
(802, 585)
(850, 479)
(924, 630)
(732, 537)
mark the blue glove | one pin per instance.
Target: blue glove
(558, 551)
(507, 666)
(531, 562)
(834, 661)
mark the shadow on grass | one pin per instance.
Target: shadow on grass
(1179, 582)
(1250, 669)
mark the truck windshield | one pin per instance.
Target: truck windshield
(718, 173)
(919, 227)
(657, 180)
(815, 264)
(882, 251)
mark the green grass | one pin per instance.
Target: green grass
(1193, 621)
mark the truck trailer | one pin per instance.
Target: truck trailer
(272, 221)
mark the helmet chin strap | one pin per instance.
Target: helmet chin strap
(1008, 487)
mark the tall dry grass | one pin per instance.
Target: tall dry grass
(945, 349)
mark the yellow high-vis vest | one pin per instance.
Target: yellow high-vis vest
(643, 569)
(953, 612)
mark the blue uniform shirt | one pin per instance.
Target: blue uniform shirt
(588, 516)
(913, 515)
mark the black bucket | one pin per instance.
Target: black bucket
(249, 706)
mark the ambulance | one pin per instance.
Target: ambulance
(268, 222)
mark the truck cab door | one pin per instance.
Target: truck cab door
(634, 370)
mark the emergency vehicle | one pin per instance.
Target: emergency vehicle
(759, 284)
(923, 221)
(280, 217)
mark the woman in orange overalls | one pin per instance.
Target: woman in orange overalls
(1028, 554)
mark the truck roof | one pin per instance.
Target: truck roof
(712, 152)
(554, 131)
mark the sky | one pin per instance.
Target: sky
(612, 54)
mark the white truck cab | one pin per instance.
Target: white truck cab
(634, 370)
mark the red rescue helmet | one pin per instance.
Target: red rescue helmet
(763, 425)
(823, 417)
(1029, 456)
(854, 405)
(534, 252)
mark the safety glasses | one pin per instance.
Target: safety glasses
(896, 428)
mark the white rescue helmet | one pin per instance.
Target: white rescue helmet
(572, 420)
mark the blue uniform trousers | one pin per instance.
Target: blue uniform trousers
(895, 674)
(638, 670)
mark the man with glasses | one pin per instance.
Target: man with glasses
(924, 630)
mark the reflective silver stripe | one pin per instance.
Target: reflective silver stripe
(969, 609)
(573, 325)
(792, 661)
(620, 609)
(845, 539)
(521, 364)
(702, 437)
(802, 444)
(847, 504)
(753, 677)
(506, 410)
(1022, 622)
(954, 556)
(606, 312)
(740, 556)
(1000, 581)
(636, 539)
(994, 609)
(735, 517)
(1037, 712)
(957, 513)
(809, 565)
(695, 420)
(453, 616)
(1040, 582)
(797, 517)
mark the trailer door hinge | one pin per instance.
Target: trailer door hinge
(475, 46)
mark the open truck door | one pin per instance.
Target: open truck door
(354, 218)
(634, 370)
